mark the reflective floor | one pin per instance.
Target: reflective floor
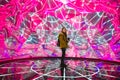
(49, 69)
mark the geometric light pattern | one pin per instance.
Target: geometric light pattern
(50, 70)
(31, 27)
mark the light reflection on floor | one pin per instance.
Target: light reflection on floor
(48, 69)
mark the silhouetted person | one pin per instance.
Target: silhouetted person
(63, 46)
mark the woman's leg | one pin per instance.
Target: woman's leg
(62, 65)
(63, 57)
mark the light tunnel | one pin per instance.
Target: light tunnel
(29, 29)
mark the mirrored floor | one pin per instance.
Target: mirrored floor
(49, 69)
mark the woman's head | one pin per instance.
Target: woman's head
(64, 29)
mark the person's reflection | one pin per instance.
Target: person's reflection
(63, 40)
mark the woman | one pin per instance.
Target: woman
(63, 46)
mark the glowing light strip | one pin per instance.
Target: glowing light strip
(107, 22)
(15, 73)
(64, 74)
(99, 18)
(88, 22)
(43, 5)
(46, 74)
(107, 75)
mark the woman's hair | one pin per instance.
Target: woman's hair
(63, 28)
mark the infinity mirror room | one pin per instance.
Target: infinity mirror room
(30, 31)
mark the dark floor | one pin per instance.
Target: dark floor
(49, 69)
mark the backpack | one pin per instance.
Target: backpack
(58, 43)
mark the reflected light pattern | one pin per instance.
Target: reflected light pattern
(50, 70)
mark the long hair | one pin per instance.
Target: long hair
(63, 28)
(64, 32)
